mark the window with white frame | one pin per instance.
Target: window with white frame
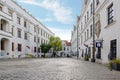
(85, 36)
(110, 14)
(10, 12)
(19, 47)
(18, 19)
(34, 38)
(91, 8)
(25, 36)
(91, 31)
(87, 33)
(87, 15)
(19, 33)
(97, 2)
(1, 7)
(25, 24)
(34, 29)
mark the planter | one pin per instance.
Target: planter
(116, 66)
(86, 57)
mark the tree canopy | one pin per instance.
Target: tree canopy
(45, 48)
(56, 43)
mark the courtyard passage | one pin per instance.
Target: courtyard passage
(54, 69)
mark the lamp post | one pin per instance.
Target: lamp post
(93, 54)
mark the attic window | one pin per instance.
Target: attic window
(86, 1)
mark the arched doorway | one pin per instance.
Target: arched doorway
(4, 47)
(3, 25)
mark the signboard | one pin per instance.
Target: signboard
(98, 44)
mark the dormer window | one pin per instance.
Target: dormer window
(86, 1)
(10, 12)
(18, 19)
(25, 24)
(97, 2)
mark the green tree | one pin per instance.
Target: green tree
(45, 48)
(56, 44)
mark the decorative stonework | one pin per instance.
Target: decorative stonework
(98, 26)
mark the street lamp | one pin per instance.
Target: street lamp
(93, 54)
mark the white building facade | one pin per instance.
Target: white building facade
(74, 40)
(66, 49)
(20, 32)
(107, 37)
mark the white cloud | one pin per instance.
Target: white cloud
(61, 13)
(46, 20)
(64, 34)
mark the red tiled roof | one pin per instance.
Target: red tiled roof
(67, 43)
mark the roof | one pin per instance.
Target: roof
(67, 43)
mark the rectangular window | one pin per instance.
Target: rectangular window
(2, 45)
(25, 24)
(91, 31)
(113, 49)
(25, 35)
(81, 40)
(1, 6)
(87, 15)
(86, 2)
(19, 33)
(19, 47)
(41, 41)
(85, 19)
(12, 30)
(87, 33)
(97, 2)
(85, 36)
(10, 12)
(34, 38)
(39, 49)
(34, 49)
(34, 29)
(38, 40)
(12, 46)
(18, 20)
(41, 32)
(110, 14)
(91, 7)
(38, 30)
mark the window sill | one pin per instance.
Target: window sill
(109, 25)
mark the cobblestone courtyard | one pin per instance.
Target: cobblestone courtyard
(55, 69)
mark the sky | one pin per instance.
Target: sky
(58, 15)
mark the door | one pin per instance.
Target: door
(113, 48)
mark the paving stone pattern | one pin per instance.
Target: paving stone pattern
(55, 69)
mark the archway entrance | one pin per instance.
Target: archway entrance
(4, 47)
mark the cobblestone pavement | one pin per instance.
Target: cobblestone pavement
(55, 69)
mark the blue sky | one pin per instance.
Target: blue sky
(58, 15)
